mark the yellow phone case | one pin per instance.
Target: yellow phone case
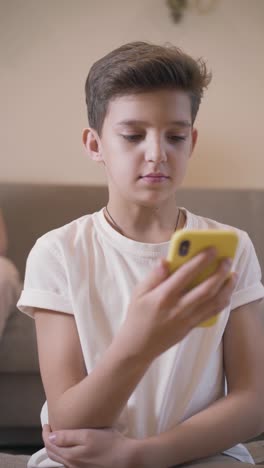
(185, 244)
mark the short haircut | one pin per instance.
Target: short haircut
(139, 67)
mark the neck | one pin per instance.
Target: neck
(151, 225)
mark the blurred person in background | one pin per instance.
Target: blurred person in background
(10, 284)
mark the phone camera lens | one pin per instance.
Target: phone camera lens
(184, 248)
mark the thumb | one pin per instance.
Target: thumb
(155, 277)
(46, 432)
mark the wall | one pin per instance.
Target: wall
(47, 47)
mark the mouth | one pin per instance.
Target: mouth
(154, 177)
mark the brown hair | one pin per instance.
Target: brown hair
(141, 67)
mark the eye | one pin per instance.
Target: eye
(175, 138)
(132, 137)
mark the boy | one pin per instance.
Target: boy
(120, 347)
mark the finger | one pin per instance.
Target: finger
(70, 456)
(61, 455)
(220, 302)
(46, 431)
(208, 289)
(69, 438)
(56, 457)
(223, 297)
(154, 278)
(196, 314)
(178, 281)
(212, 285)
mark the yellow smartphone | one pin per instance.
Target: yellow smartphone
(185, 244)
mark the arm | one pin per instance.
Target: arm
(76, 400)
(3, 236)
(160, 314)
(235, 418)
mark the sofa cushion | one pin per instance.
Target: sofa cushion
(21, 397)
(18, 348)
(13, 461)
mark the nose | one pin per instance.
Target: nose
(155, 151)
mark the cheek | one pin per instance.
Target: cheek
(179, 163)
(119, 166)
(121, 157)
(184, 155)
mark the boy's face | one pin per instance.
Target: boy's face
(145, 144)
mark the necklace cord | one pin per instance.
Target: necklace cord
(120, 230)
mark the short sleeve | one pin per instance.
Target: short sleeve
(45, 284)
(249, 287)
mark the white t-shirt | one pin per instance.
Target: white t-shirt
(88, 269)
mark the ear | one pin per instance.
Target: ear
(194, 139)
(92, 144)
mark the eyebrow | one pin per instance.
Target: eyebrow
(177, 123)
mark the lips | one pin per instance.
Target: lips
(155, 178)
(155, 175)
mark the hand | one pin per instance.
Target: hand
(90, 448)
(162, 311)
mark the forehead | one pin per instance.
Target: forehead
(156, 106)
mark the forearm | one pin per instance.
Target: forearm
(98, 399)
(228, 421)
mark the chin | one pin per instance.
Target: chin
(154, 200)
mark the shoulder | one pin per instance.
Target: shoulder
(246, 264)
(202, 222)
(68, 236)
(57, 248)
(245, 250)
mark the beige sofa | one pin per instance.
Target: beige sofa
(31, 210)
